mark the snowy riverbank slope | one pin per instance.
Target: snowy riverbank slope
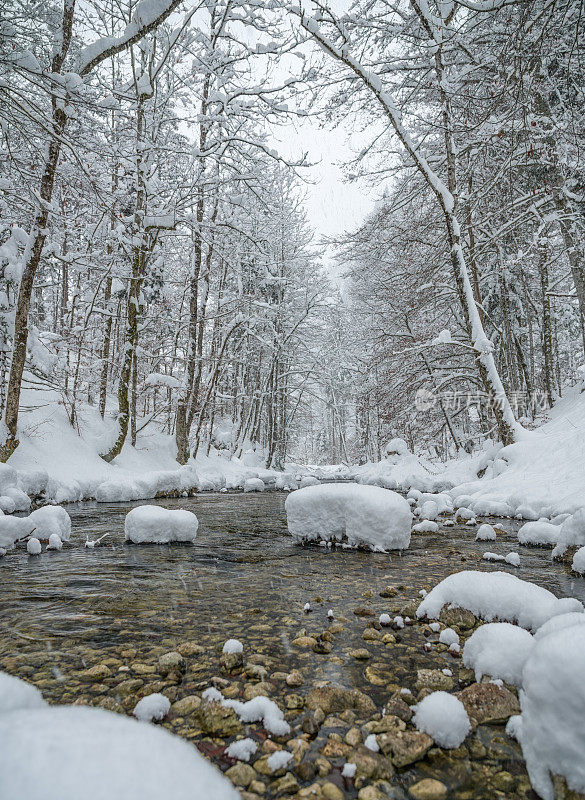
(63, 462)
(540, 476)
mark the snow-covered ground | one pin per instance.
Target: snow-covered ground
(63, 463)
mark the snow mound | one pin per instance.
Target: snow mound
(499, 650)
(278, 760)
(485, 533)
(572, 533)
(33, 546)
(154, 706)
(55, 542)
(16, 694)
(12, 529)
(444, 718)
(254, 485)
(309, 480)
(560, 623)
(365, 516)
(426, 526)
(106, 756)
(552, 700)
(511, 558)
(578, 564)
(259, 709)
(242, 749)
(160, 525)
(539, 532)
(51, 520)
(233, 646)
(542, 474)
(497, 595)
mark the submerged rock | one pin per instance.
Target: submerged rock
(428, 789)
(333, 699)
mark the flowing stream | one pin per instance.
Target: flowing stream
(244, 578)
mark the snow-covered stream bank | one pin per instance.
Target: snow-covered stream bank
(94, 626)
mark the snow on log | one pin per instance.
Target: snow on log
(362, 516)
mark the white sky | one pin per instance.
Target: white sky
(333, 204)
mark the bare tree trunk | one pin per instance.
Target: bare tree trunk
(547, 347)
(35, 245)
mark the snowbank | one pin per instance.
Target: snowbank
(64, 753)
(499, 650)
(497, 595)
(59, 464)
(158, 525)
(541, 475)
(443, 717)
(552, 700)
(365, 516)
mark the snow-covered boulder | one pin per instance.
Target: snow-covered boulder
(499, 650)
(7, 504)
(12, 529)
(106, 756)
(160, 525)
(366, 516)
(124, 489)
(15, 694)
(552, 733)
(429, 510)
(572, 533)
(21, 499)
(426, 526)
(33, 481)
(578, 564)
(497, 596)
(154, 706)
(258, 709)
(560, 623)
(309, 480)
(50, 520)
(396, 447)
(8, 478)
(33, 547)
(442, 716)
(485, 533)
(254, 485)
(485, 507)
(539, 532)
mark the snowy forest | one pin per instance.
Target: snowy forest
(279, 282)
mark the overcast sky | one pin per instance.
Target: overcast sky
(333, 204)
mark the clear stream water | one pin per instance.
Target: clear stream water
(244, 578)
